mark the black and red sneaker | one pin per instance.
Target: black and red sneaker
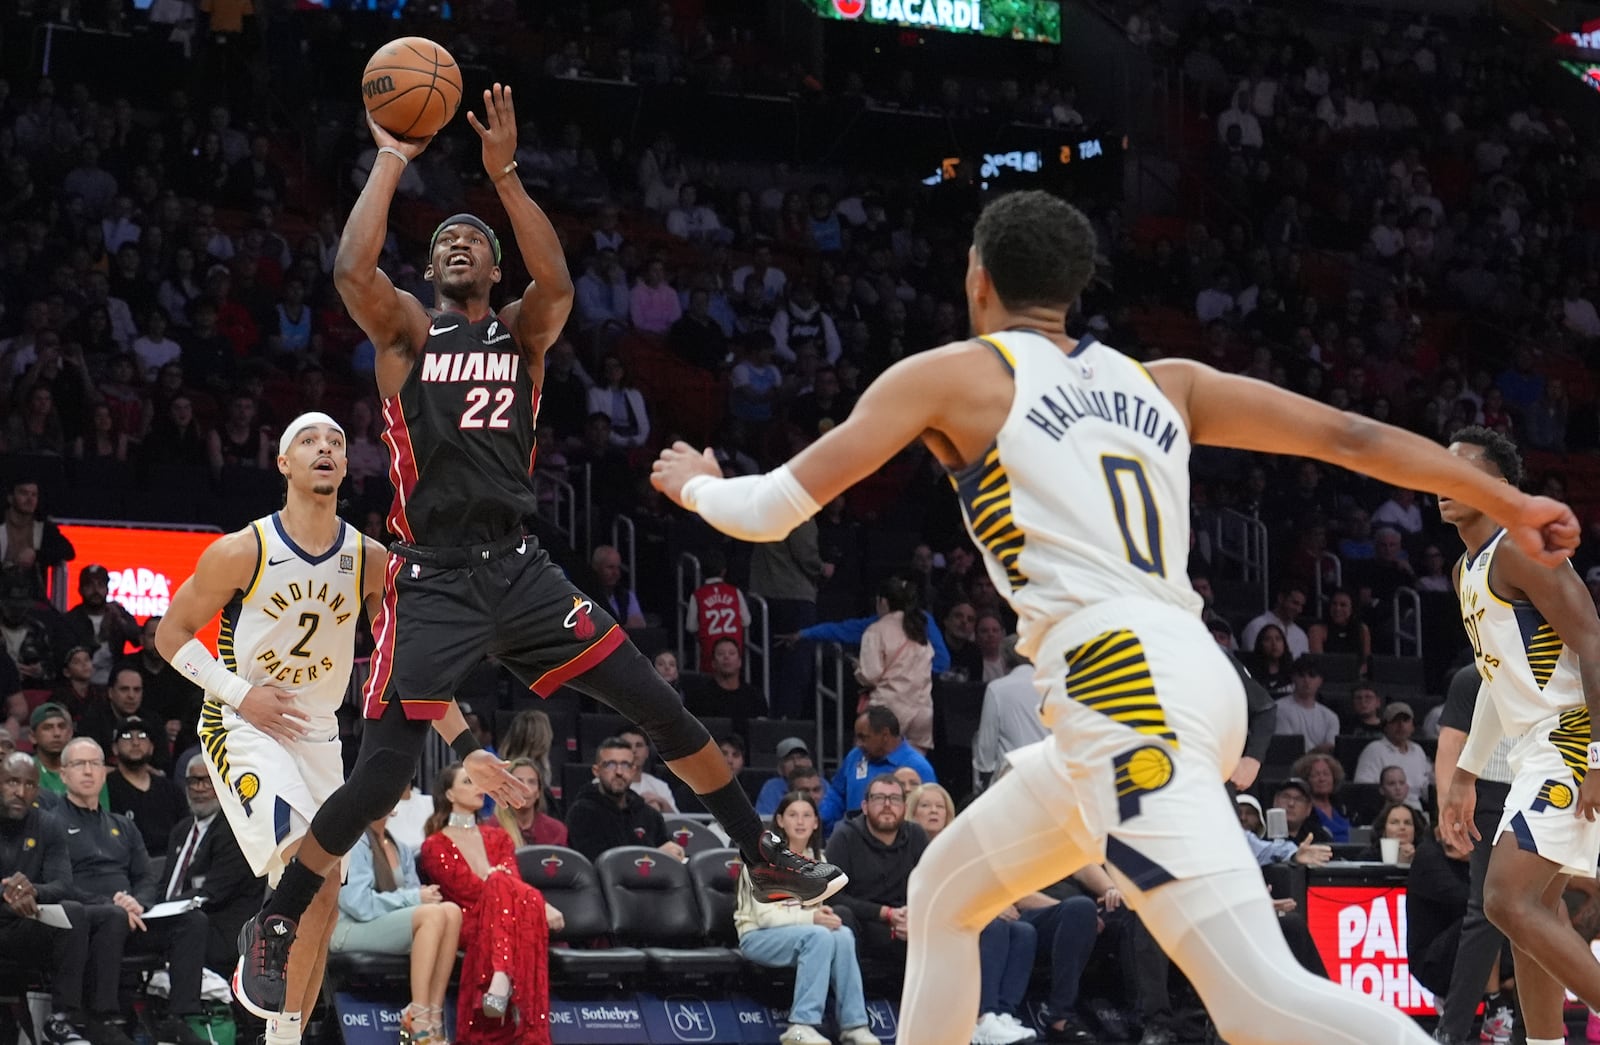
(786, 875)
(259, 981)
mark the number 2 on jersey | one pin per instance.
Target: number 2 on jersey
(308, 621)
(1146, 527)
(478, 400)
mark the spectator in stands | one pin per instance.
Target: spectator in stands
(809, 782)
(1294, 798)
(76, 692)
(110, 865)
(618, 598)
(717, 609)
(125, 699)
(139, 791)
(878, 850)
(732, 748)
(694, 221)
(755, 381)
(611, 813)
(27, 641)
(241, 441)
(1343, 631)
(895, 669)
(653, 304)
(1394, 787)
(1009, 720)
(666, 665)
(169, 695)
(1270, 663)
(1399, 821)
(529, 736)
(385, 909)
(960, 626)
(603, 299)
(1290, 603)
(879, 750)
(30, 544)
(724, 693)
(1400, 511)
(1395, 748)
(814, 941)
(1366, 712)
(698, 337)
(793, 755)
(802, 319)
(505, 922)
(990, 635)
(52, 732)
(104, 626)
(1302, 714)
(622, 403)
(530, 824)
(1006, 946)
(105, 440)
(655, 791)
(14, 727)
(204, 860)
(1251, 817)
(35, 868)
(786, 573)
(1325, 776)
(1240, 115)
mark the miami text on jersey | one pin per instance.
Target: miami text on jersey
(469, 366)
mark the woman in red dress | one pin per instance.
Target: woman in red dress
(504, 995)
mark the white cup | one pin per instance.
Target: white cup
(1390, 850)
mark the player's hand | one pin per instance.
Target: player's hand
(498, 131)
(273, 711)
(679, 463)
(410, 148)
(1589, 796)
(1455, 815)
(20, 895)
(493, 777)
(1545, 529)
(1244, 774)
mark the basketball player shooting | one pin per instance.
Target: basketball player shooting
(1072, 466)
(460, 390)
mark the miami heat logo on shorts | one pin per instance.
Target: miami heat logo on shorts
(578, 619)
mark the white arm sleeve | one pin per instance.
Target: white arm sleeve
(1485, 733)
(756, 508)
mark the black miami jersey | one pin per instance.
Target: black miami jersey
(461, 436)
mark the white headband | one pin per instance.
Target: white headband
(301, 423)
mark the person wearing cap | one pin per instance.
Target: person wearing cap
(77, 692)
(1301, 714)
(1395, 748)
(52, 731)
(793, 753)
(1307, 851)
(103, 626)
(139, 792)
(1294, 798)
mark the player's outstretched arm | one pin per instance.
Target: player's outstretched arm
(538, 317)
(385, 314)
(1246, 414)
(227, 567)
(899, 407)
(485, 769)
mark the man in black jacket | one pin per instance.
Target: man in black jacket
(611, 814)
(204, 860)
(34, 870)
(878, 850)
(105, 627)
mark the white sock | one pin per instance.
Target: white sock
(1547, 1041)
(284, 1029)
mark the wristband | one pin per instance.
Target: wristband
(465, 744)
(392, 151)
(1594, 754)
(195, 661)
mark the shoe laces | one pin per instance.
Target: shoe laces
(272, 950)
(780, 855)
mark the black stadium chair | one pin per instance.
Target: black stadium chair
(570, 885)
(716, 882)
(1282, 750)
(653, 905)
(694, 836)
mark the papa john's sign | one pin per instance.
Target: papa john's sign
(1360, 932)
(145, 565)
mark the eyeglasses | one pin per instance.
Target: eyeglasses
(133, 734)
(83, 763)
(886, 800)
(616, 765)
(201, 783)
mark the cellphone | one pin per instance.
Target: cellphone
(1277, 823)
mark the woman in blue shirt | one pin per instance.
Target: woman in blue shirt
(385, 909)
(1325, 776)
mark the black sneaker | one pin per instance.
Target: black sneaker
(58, 1030)
(1071, 1030)
(108, 1032)
(259, 979)
(786, 875)
(175, 1030)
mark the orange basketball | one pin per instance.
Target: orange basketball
(412, 87)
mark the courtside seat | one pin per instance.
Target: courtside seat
(368, 969)
(570, 885)
(653, 905)
(694, 836)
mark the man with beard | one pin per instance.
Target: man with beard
(36, 869)
(204, 859)
(611, 813)
(124, 700)
(104, 627)
(140, 793)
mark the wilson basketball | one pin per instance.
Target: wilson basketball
(412, 87)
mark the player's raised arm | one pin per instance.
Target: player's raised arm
(537, 318)
(1246, 414)
(387, 316)
(227, 567)
(896, 409)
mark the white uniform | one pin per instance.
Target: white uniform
(294, 628)
(1081, 512)
(1536, 692)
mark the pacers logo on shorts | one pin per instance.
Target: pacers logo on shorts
(1142, 771)
(247, 786)
(1553, 794)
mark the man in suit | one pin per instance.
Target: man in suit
(204, 859)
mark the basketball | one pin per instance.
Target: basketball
(411, 87)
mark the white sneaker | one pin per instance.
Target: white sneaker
(1011, 1021)
(802, 1034)
(858, 1036)
(1497, 1027)
(992, 1031)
